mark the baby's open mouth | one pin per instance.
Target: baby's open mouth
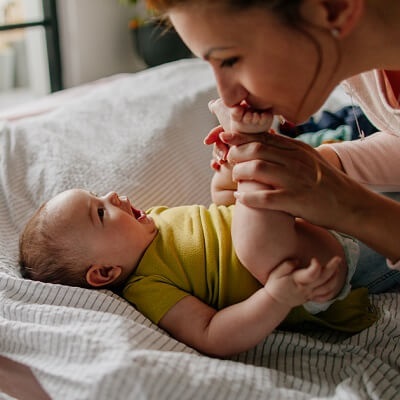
(136, 213)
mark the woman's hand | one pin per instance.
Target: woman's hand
(302, 182)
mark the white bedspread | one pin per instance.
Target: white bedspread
(141, 135)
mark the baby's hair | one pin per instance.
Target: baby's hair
(44, 257)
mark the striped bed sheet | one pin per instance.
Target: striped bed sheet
(141, 135)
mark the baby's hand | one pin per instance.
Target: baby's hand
(331, 279)
(240, 118)
(220, 150)
(292, 286)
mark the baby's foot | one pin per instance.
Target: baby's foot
(243, 119)
(240, 118)
(222, 112)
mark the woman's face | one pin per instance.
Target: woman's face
(255, 57)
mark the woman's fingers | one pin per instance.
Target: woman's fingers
(295, 167)
(271, 199)
(268, 173)
(240, 138)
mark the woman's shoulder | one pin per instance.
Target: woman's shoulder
(369, 91)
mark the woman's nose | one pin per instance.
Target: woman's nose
(113, 198)
(231, 92)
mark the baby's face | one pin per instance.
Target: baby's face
(108, 228)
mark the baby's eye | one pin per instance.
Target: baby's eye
(229, 62)
(100, 213)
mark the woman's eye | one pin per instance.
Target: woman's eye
(100, 213)
(229, 62)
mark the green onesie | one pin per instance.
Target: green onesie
(193, 254)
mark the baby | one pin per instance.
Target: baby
(182, 268)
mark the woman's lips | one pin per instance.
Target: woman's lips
(253, 108)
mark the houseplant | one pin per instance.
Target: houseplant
(155, 42)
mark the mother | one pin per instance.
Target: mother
(285, 57)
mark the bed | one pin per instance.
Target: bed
(141, 135)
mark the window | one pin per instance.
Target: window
(29, 50)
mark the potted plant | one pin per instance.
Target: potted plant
(155, 42)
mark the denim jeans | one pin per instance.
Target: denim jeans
(372, 271)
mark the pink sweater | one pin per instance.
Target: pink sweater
(375, 160)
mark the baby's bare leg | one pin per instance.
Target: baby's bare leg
(262, 238)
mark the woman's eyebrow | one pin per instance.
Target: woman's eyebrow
(208, 54)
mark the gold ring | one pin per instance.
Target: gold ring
(319, 173)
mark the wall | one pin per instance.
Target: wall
(95, 40)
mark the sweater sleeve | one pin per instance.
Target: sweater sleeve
(373, 161)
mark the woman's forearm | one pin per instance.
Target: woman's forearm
(375, 220)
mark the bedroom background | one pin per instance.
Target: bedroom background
(94, 42)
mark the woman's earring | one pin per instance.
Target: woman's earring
(335, 32)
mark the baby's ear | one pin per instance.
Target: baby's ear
(101, 275)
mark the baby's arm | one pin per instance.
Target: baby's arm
(265, 238)
(222, 186)
(246, 323)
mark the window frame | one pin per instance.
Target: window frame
(50, 24)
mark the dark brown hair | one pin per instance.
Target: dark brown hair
(286, 9)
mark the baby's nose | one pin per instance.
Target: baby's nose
(113, 198)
